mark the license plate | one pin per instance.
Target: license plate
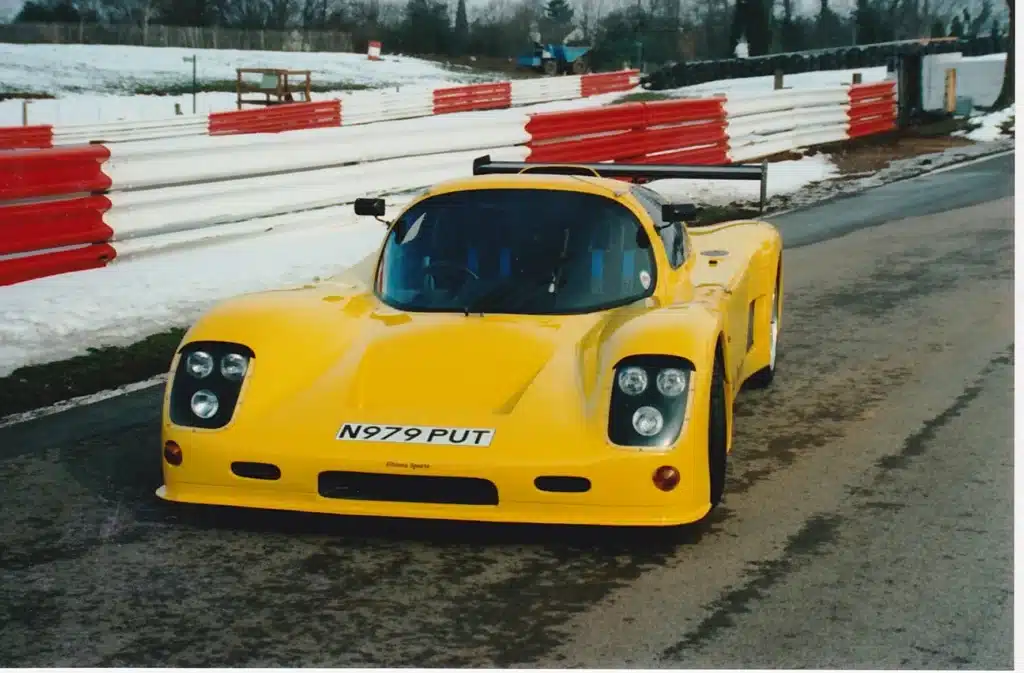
(415, 434)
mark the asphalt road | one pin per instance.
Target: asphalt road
(867, 521)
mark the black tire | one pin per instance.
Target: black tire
(718, 433)
(550, 67)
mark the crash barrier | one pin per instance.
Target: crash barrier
(495, 96)
(714, 130)
(680, 131)
(115, 132)
(26, 137)
(156, 194)
(873, 109)
(40, 235)
(352, 108)
(842, 58)
(277, 118)
(781, 121)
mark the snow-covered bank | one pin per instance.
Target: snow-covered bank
(757, 85)
(990, 125)
(95, 68)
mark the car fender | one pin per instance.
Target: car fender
(688, 330)
(292, 333)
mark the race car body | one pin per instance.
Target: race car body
(530, 344)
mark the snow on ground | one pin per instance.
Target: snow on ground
(990, 125)
(96, 83)
(93, 68)
(61, 316)
(755, 85)
(89, 93)
(78, 109)
(784, 177)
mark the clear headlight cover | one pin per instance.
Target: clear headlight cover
(204, 404)
(633, 380)
(233, 366)
(199, 364)
(671, 382)
(648, 421)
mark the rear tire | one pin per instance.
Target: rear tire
(718, 437)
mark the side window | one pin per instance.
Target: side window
(672, 234)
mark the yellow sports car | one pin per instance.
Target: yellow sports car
(545, 344)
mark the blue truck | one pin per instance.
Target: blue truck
(555, 59)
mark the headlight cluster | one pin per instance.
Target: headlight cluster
(649, 400)
(207, 383)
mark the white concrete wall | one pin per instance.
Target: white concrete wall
(978, 77)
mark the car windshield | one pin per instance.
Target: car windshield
(528, 251)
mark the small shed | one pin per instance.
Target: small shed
(277, 86)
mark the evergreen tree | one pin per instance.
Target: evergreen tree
(750, 20)
(426, 27)
(737, 30)
(461, 35)
(559, 11)
(938, 28)
(828, 28)
(956, 28)
(758, 27)
(868, 23)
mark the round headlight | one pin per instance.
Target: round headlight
(204, 404)
(632, 380)
(233, 366)
(199, 364)
(648, 421)
(671, 382)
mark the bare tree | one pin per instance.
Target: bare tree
(589, 14)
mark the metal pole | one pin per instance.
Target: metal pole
(193, 83)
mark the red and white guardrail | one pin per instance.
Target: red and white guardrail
(71, 208)
(359, 107)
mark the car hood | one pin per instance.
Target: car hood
(330, 356)
(476, 364)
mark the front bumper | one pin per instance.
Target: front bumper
(621, 488)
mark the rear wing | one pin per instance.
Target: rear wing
(639, 172)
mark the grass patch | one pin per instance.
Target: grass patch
(100, 369)
(642, 97)
(24, 95)
(184, 87)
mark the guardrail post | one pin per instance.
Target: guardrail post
(857, 77)
(779, 74)
(764, 185)
(24, 111)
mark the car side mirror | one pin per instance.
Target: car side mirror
(372, 207)
(679, 212)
